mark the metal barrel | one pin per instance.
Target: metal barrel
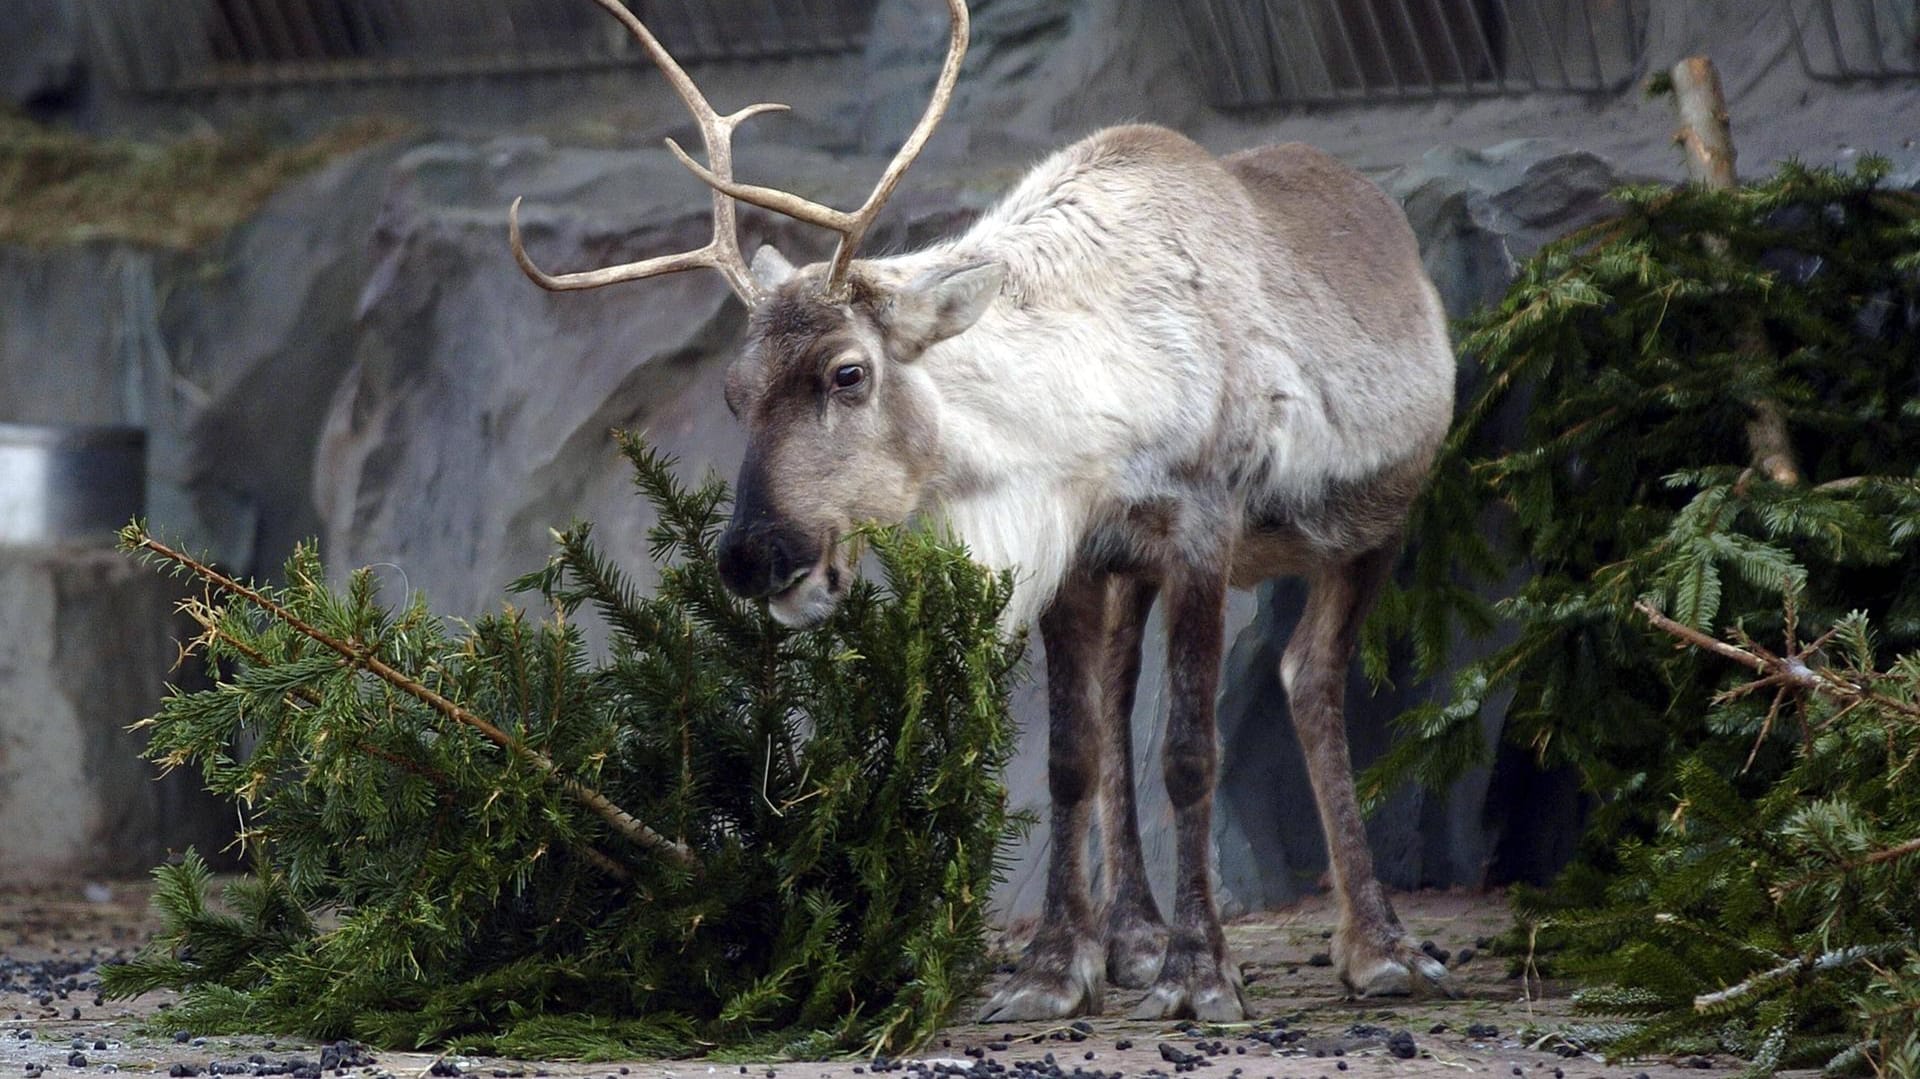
(64, 484)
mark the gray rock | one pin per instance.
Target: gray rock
(1480, 213)
(249, 342)
(42, 54)
(60, 360)
(85, 645)
(228, 356)
(225, 354)
(476, 409)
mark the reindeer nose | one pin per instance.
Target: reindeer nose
(756, 562)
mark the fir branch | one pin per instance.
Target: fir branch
(135, 537)
(1804, 965)
(1843, 867)
(1791, 669)
(844, 890)
(302, 697)
(1611, 466)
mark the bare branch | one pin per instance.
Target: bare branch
(1792, 670)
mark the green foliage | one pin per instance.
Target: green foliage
(416, 884)
(1605, 460)
(1783, 926)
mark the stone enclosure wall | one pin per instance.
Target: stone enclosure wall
(362, 362)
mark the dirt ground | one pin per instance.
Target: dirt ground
(52, 1023)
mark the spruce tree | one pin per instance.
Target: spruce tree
(1608, 453)
(1779, 926)
(723, 837)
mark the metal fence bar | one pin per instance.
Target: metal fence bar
(1252, 72)
(1413, 38)
(1489, 53)
(1257, 64)
(1525, 56)
(1385, 49)
(176, 46)
(1460, 65)
(331, 27)
(361, 24)
(280, 43)
(101, 44)
(1833, 39)
(1634, 32)
(301, 27)
(1345, 36)
(1870, 22)
(246, 31)
(1553, 46)
(1277, 72)
(1286, 52)
(776, 24)
(689, 36)
(1593, 41)
(1830, 39)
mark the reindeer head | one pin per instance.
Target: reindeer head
(842, 424)
(841, 428)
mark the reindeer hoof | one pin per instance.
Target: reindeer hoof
(1195, 984)
(1055, 979)
(1396, 969)
(1136, 950)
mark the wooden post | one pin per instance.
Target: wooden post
(1706, 135)
(1705, 132)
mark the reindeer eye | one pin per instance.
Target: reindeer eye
(848, 375)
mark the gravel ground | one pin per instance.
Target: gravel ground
(53, 1025)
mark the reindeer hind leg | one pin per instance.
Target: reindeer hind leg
(1199, 978)
(1372, 953)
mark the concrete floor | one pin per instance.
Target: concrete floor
(39, 1030)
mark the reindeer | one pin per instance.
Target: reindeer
(1147, 373)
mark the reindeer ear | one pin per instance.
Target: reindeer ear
(770, 268)
(941, 303)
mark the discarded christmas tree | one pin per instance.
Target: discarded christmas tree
(1779, 926)
(726, 836)
(1707, 406)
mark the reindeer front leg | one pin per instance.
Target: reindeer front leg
(1062, 971)
(1198, 978)
(1136, 934)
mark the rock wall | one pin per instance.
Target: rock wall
(42, 56)
(362, 361)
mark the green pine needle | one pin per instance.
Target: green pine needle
(416, 885)
(1604, 461)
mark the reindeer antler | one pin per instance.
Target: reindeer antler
(723, 251)
(853, 226)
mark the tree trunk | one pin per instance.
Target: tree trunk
(1707, 138)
